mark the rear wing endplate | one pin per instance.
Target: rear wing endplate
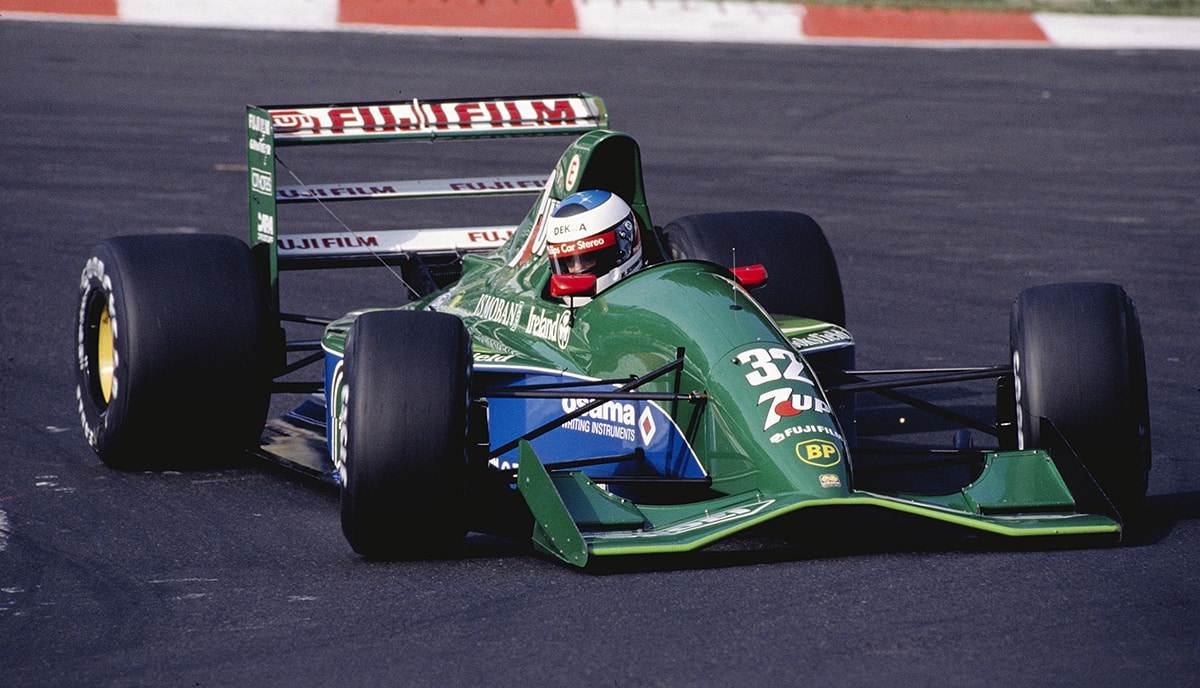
(271, 127)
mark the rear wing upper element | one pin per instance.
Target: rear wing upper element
(271, 127)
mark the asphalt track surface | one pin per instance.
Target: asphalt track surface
(947, 180)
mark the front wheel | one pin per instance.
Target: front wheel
(1078, 358)
(402, 426)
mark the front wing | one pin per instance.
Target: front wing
(1019, 494)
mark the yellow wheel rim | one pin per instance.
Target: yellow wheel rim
(104, 355)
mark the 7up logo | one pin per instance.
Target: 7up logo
(785, 404)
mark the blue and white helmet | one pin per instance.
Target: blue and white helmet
(595, 233)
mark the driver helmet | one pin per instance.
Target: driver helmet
(595, 233)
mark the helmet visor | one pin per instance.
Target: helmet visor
(596, 255)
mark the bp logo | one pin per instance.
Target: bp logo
(821, 453)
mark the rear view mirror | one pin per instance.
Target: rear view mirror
(572, 285)
(751, 276)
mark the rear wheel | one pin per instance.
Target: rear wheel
(173, 350)
(402, 426)
(1079, 362)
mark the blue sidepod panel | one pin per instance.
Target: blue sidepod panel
(615, 428)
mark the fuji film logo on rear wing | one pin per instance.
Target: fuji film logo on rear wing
(429, 118)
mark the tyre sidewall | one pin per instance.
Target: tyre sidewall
(105, 422)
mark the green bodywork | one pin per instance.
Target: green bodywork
(730, 345)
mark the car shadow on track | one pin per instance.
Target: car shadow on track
(1159, 516)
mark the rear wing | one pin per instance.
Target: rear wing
(269, 128)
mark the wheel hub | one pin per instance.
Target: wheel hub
(105, 360)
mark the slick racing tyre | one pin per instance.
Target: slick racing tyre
(402, 434)
(1078, 358)
(802, 274)
(172, 350)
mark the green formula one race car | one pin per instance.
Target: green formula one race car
(584, 379)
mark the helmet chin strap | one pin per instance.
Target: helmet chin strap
(620, 272)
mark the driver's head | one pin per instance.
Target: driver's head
(595, 233)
